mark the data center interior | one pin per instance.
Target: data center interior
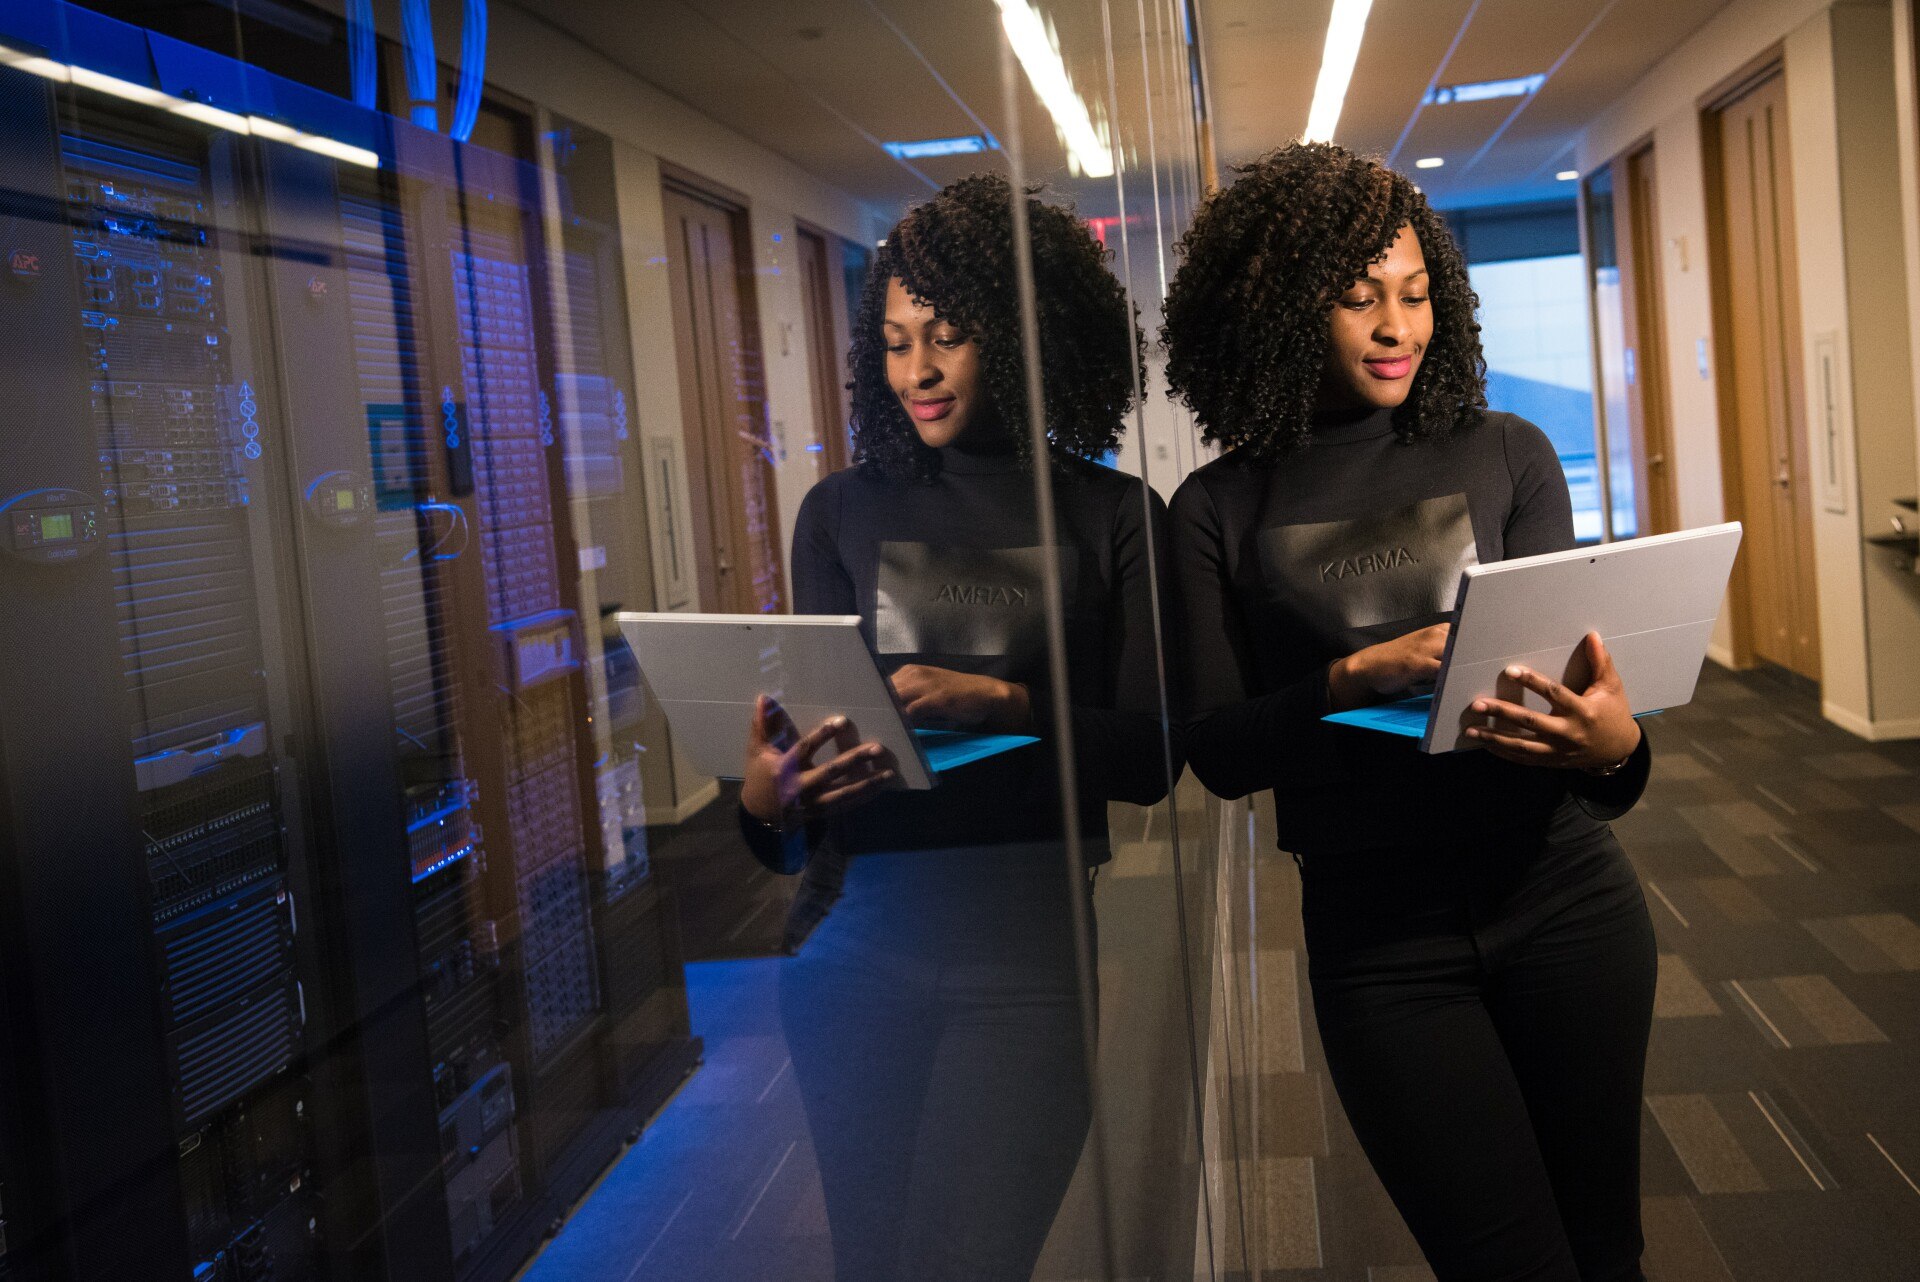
(360, 915)
(310, 729)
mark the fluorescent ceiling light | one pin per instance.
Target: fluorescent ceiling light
(1429, 162)
(1481, 91)
(1567, 175)
(120, 88)
(33, 64)
(1344, 29)
(1039, 53)
(206, 115)
(937, 147)
(261, 127)
(339, 150)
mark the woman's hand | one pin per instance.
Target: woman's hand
(1391, 669)
(783, 784)
(942, 699)
(1592, 730)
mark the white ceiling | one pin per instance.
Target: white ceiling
(824, 82)
(1263, 57)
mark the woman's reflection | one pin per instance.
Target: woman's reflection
(933, 1015)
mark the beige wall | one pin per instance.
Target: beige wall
(1853, 284)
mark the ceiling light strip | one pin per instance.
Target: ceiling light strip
(1344, 31)
(1527, 101)
(1037, 49)
(204, 113)
(914, 49)
(1433, 84)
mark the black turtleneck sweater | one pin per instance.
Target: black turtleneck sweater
(948, 574)
(1355, 539)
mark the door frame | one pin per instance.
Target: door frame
(1644, 315)
(712, 495)
(827, 327)
(1732, 502)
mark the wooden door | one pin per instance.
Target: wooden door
(1655, 505)
(826, 345)
(729, 455)
(1763, 427)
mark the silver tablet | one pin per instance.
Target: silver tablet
(1652, 600)
(707, 669)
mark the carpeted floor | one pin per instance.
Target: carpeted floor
(1781, 1137)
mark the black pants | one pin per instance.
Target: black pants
(934, 1023)
(1485, 1014)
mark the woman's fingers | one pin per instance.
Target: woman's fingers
(1546, 687)
(845, 795)
(1514, 716)
(1529, 752)
(817, 738)
(814, 781)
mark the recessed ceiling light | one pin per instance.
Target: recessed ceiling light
(1567, 175)
(1429, 162)
(1480, 91)
(925, 147)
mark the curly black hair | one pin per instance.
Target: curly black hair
(1248, 312)
(955, 254)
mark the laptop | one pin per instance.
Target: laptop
(707, 671)
(1653, 601)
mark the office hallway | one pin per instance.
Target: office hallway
(1781, 1133)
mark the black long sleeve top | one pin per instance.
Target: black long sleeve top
(949, 574)
(1355, 539)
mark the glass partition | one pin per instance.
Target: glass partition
(398, 396)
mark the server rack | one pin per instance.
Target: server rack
(300, 521)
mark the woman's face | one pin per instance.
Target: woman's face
(1380, 330)
(934, 368)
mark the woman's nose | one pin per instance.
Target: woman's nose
(1392, 328)
(921, 368)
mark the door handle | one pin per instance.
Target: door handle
(1784, 479)
(1658, 460)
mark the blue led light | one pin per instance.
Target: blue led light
(546, 418)
(619, 414)
(450, 418)
(926, 147)
(445, 861)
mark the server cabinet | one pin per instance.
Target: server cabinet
(328, 946)
(147, 787)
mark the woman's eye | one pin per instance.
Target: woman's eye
(896, 349)
(1415, 301)
(1355, 304)
(950, 342)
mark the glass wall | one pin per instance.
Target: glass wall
(398, 398)
(1535, 331)
(1612, 357)
(1533, 328)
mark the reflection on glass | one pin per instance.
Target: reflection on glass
(1533, 330)
(356, 860)
(933, 1013)
(1610, 338)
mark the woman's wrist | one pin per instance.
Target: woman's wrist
(756, 809)
(1345, 686)
(1615, 767)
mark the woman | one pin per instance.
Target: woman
(934, 1016)
(1480, 955)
